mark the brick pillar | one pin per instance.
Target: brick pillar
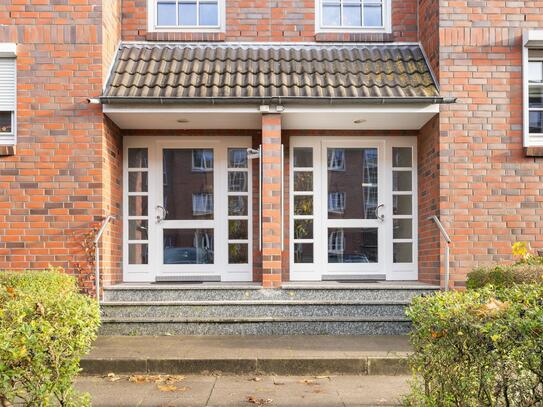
(271, 200)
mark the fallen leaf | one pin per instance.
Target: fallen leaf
(255, 379)
(138, 379)
(166, 387)
(322, 377)
(40, 309)
(172, 379)
(112, 377)
(279, 383)
(258, 402)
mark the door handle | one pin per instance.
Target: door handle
(377, 215)
(164, 211)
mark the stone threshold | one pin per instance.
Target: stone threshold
(238, 355)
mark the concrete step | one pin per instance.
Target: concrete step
(335, 325)
(235, 309)
(277, 355)
(307, 292)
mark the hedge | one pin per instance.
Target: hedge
(478, 348)
(524, 272)
(46, 325)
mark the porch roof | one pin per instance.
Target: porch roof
(270, 73)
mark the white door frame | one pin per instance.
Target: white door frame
(155, 266)
(385, 265)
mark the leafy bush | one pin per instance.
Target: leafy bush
(478, 348)
(45, 328)
(524, 272)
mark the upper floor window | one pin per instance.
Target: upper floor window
(8, 93)
(353, 15)
(186, 15)
(533, 88)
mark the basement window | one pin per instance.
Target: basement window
(186, 15)
(8, 94)
(353, 16)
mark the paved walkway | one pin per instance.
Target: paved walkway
(236, 391)
(288, 355)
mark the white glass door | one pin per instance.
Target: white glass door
(196, 222)
(353, 212)
(353, 200)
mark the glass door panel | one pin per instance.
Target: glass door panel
(352, 194)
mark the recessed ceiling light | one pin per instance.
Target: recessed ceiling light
(359, 121)
(182, 121)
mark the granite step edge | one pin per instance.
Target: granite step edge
(110, 320)
(250, 302)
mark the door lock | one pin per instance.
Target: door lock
(379, 217)
(164, 212)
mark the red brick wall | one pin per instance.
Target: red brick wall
(428, 27)
(269, 20)
(52, 190)
(491, 194)
(428, 204)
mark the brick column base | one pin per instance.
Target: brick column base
(271, 200)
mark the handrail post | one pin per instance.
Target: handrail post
(447, 248)
(105, 222)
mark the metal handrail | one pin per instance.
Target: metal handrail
(447, 247)
(105, 222)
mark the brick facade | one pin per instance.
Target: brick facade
(66, 173)
(269, 20)
(491, 194)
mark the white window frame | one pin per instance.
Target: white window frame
(532, 40)
(385, 28)
(203, 166)
(336, 202)
(337, 163)
(9, 51)
(202, 204)
(152, 25)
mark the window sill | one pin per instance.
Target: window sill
(354, 37)
(185, 36)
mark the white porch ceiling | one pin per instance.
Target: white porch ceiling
(318, 117)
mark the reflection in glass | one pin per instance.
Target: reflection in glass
(331, 16)
(536, 122)
(535, 71)
(5, 122)
(403, 228)
(352, 245)
(303, 181)
(303, 252)
(188, 184)
(237, 158)
(536, 97)
(373, 16)
(166, 14)
(137, 182)
(352, 183)
(303, 205)
(209, 14)
(303, 229)
(188, 246)
(401, 157)
(403, 253)
(402, 205)
(303, 157)
(137, 206)
(138, 229)
(237, 229)
(238, 253)
(138, 253)
(237, 181)
(352, 15)
(401, 181)
(187, 14)
(237, 205)
(137, 158)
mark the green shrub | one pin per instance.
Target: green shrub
(525, 272)
(45, 328)
(478, 348)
